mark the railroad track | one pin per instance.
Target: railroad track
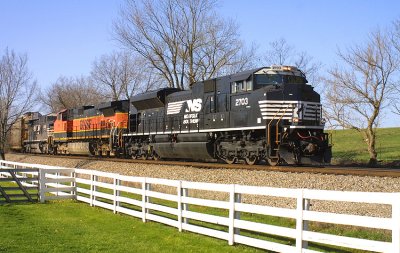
(331, 169)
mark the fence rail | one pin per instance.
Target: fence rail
(52, 182)
(136, 196)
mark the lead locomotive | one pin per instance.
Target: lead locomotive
(269, 114)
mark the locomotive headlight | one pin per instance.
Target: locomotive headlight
(296, 120)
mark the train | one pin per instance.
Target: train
(268, 114)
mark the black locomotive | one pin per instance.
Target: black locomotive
(268, 113)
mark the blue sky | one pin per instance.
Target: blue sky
(65, 37)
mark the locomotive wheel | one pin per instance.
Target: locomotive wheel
(272, 161)
(156, 157)
(230, 159)
(251, 160)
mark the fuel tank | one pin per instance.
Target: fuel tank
(78, 148)
(185, 150)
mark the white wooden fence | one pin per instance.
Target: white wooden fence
(133, 196)
(54, 182)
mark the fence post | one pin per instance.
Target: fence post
(396, 222)
(179, 192)
(57, 183)
(231, 239)
(91, 188)
(73, 184)
(42, 185)
(117, 182)
(145, 199)
(299, 221)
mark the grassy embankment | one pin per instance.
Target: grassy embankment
(349, 146)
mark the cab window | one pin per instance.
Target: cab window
(234, 88)
(241, 86)
(266, 79)
(249, 85)
(294, 79)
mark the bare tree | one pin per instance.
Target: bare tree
(106, 73)
(280, 52)
(120, 75)
(17, 92)
(184, 41)
(396, 101)
(395, 39)
(70, 93)
(359, 90)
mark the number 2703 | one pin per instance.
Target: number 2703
(241, 101)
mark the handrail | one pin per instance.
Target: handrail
(277, 123)
(269, 124)
(268, 132)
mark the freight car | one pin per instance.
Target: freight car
(268, 113)
(18, 134)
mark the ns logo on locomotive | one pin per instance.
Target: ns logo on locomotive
(266, 114)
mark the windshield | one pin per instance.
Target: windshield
(294, 79)
(266, 79)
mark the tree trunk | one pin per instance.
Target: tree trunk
(2, 144)
(2, 147)
(371, 139)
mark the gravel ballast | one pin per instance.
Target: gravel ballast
(245, 177)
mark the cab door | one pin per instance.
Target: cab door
(240, 104)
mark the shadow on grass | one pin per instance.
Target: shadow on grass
(347, 158)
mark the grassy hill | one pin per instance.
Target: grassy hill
(349, 146)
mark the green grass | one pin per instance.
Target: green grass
(356, 232)
(349, 145)
(69, 226)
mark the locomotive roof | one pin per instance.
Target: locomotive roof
(274, 69)
(115, 103)
(152, 99)
(244, 75)
(153, 94)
